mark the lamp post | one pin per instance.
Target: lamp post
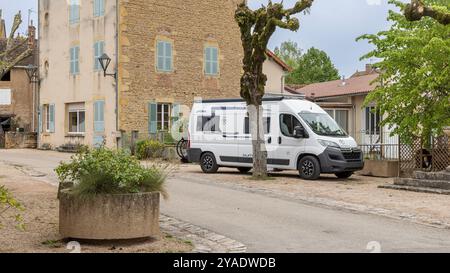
(33, 76)
(105, 60)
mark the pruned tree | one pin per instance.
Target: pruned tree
(15, 50)
(417, 10)
(257, 26)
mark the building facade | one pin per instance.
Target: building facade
(164, 54)
(18, 96)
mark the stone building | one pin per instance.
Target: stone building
(18, 98)
(165, 54)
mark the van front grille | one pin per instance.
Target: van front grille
(352, 154)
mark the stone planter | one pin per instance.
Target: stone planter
(380, 168)
(109, 217)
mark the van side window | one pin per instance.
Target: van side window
(287, 124)
(266, 122)
(208, 124)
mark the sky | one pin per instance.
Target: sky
(331, 25)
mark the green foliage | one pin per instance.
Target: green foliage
(7, 202)
(313, 66)
(289, 52)
(413, 92)
(149, 148)
(104, 171)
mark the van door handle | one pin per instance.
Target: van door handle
(279, 140)
(269, 140)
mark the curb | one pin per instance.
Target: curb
(204, 241)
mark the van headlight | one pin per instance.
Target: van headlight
(327, 143)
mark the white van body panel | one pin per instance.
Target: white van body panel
(231, 143)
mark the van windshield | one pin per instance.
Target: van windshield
(323, 124)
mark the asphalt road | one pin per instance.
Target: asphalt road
(267, 224)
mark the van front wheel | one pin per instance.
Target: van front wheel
(309, 168)
(208, 163)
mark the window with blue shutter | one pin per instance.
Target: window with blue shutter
(152, 118)
(99, 48)
(99, 8)
(99, 116)
(51, 120)
(211, 61)
(74, 12)
(164, 56)
(40, 129)
(74, 60)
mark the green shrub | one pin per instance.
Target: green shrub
(104, 171)
(149, 149)
(8, 202)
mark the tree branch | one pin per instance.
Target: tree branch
(417, 10)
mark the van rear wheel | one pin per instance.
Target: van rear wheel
(309, 168)
(244, 169)
(344, 175)
(208, 163)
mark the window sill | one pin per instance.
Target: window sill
(75, 135)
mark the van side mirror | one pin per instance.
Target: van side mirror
(299, 132)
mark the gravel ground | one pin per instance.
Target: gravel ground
(359, 193)
(41, 223)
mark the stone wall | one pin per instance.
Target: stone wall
(20, 140)
(190, 25)
(21, 98)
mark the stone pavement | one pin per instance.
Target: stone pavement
(204, 241)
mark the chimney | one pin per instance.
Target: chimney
(344, 81)
(31, 35)
(369, 68)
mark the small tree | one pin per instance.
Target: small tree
(257, 26)
(15, 50)
(289, 52)
(417, 10)
(413, 91)
(313, 66)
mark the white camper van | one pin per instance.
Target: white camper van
(299, 136)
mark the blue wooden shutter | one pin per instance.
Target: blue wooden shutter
(214, 60)
(51, 109)
(168, 56)
(40, 119)
(152, 118)
(99, 116)
(102, 7)
(77, 59)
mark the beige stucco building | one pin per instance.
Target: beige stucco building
(165, 54)
(276, 71)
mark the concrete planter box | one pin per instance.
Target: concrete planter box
(109, 217)
(380, 168)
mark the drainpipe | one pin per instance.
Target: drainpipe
(117, 71)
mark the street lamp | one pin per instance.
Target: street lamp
(32, 72)
(105, 60)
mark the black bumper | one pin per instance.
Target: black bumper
(193, 155)
(334, 160)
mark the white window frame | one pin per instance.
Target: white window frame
(78, 111)
(6, 95)
(164, 107)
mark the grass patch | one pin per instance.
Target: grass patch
(52, 243)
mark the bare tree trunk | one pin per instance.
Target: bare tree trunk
(258, 141)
